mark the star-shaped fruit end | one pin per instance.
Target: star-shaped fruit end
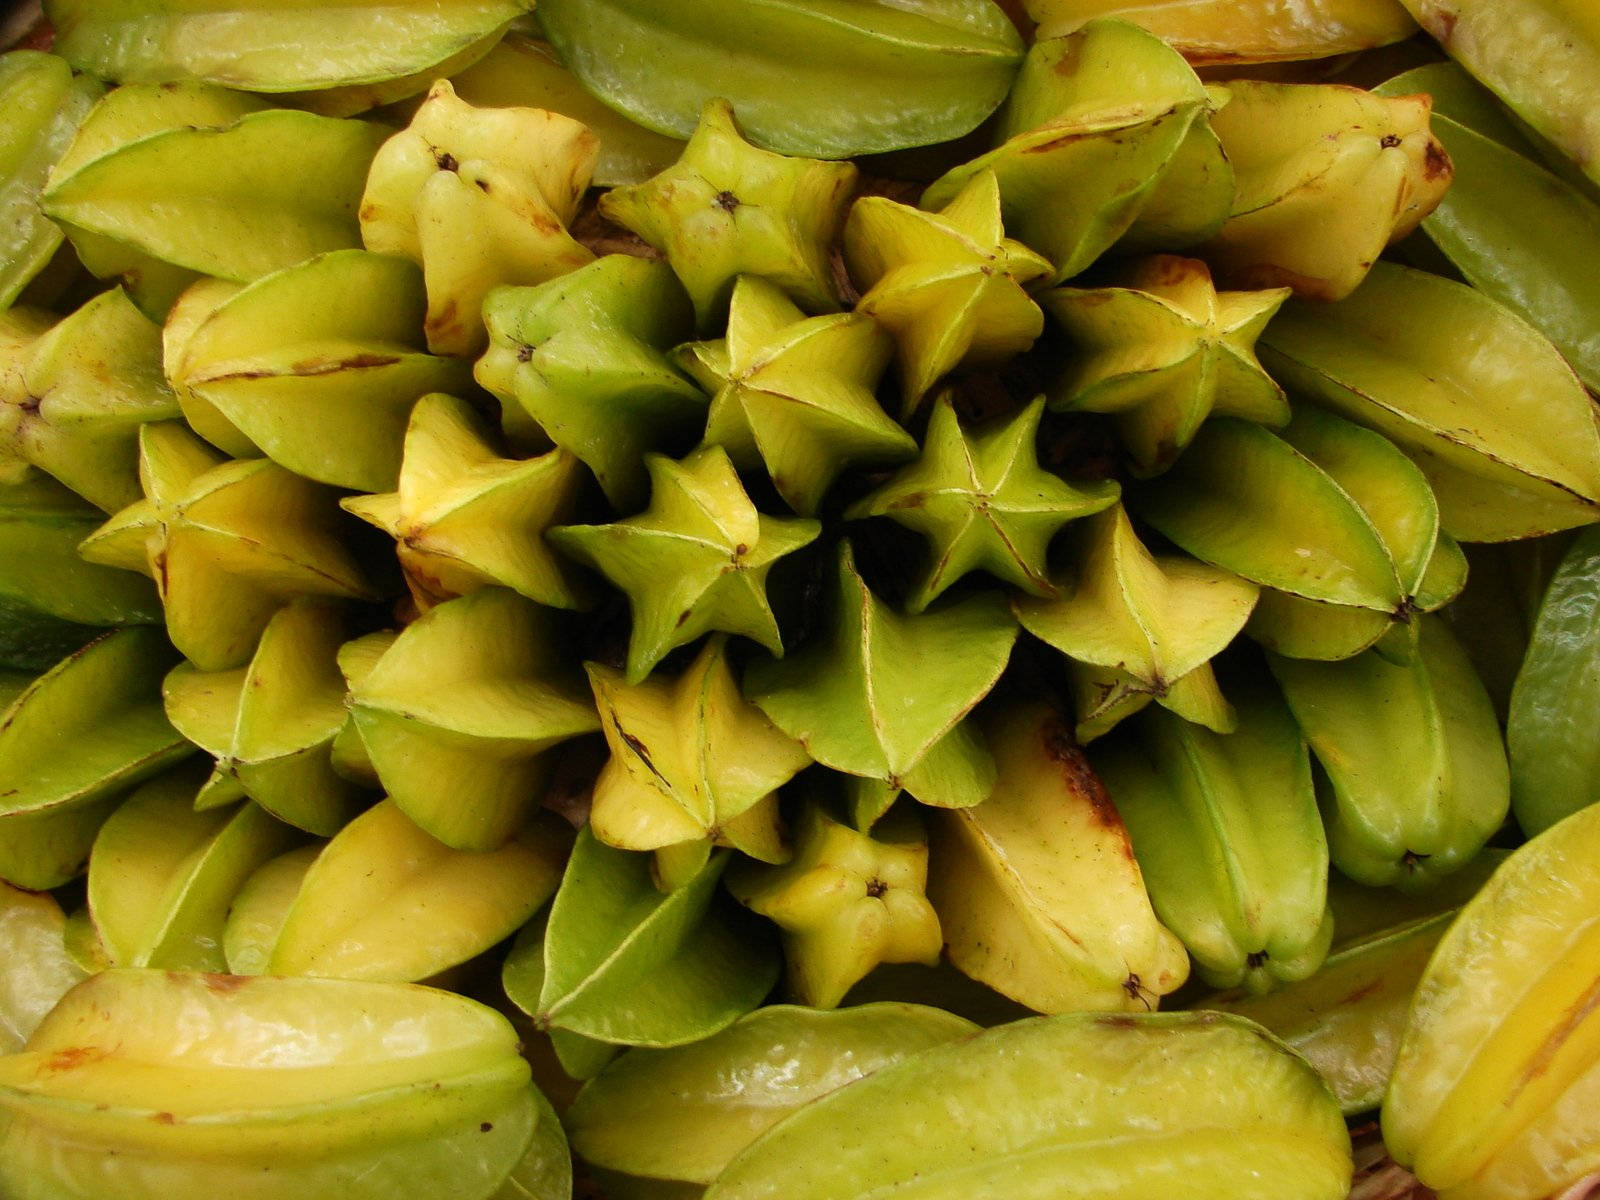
(270, 726)
(883, 695)
(465, 518)
(478, 197)
(948, 285)
(695, 561)
(845, 902)
(227, 542)
(983, 502)
(795, 394)
(1164, 350)
(1137, 628)
(727, 208)
(580, 361)
(693, 765)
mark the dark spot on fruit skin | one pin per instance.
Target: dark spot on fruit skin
(164, 1118)
(486, 1127)
(73, 1057)
(224, 985)
(727, 201)
(1436, 162)
(1389, 141)
(1362, 992)
(1256, 960)
(877, 888)
(638, 747)
(1080, 777)
(446, 160)
(524, 354)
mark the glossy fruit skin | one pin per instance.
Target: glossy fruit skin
(1496, 1088)
(995, 1114)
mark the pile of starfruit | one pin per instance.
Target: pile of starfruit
(800, 599)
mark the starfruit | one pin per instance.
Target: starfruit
(145, 1084)
(255, 918)
(794, 395)
(1229, 839)
(1137, 628)
(226, 542)
(845, 902)
(478, 197)
(1244, 499)
(883, 695)
(579, 361)
(1327, 176)
(72, 743)
(38, 971)
(1514, 229)
(983, 502)
(1506, 435)
(695, 561)
(51, 601)
(693, 765)
(161, 875)
(1555, 760)
(1210, 1098)
(385, 901)
(124, 115)
(1228, 31)
(833, 78)
(1161, 351)
(1346, 1020)
(727, 208)
(1093, 120)
(1037, 888)
(950, 286)
(317, 365)
(1415, 768)
(521, 72)
(464, 518)
(270, 725)
(1494, 1090)
(43, 102)
(271, 189)
(277, 49)
(1553, 90)
(84, 388)
(458, 712)
(1395, 497)
(684, 1113)
(619, 962)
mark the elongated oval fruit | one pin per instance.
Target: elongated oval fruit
(825, 78)
(1231, 31)
(1506, 434)
(685, 1113)
(154, 1084)
(1037, 889)
(1556, 89)
(237, 202)
(1070, 1108)
(1550, 731)
(43, 103)
(1228, 836)
(271, 47)
(1496, 1091)
(1514, 229)
(1415, 768)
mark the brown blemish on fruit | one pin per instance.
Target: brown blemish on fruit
(1577, 1012)
(639, 748)
(73, 1057)
(164, 1118)
(486, 1127)
(446, 160)
(1436, 162)
(726, 201)
(1080, 777)
(877, 888)
(1362, 992)
(224, 985)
